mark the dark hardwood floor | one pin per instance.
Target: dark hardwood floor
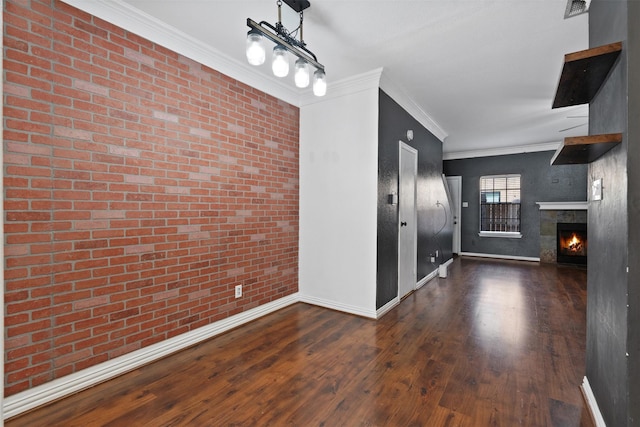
(497, 343)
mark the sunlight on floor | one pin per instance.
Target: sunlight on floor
(502, 314)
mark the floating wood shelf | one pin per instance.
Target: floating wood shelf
(583, 73)
(584, 149)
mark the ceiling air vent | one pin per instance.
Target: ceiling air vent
(576, 7)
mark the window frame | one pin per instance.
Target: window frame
(502, 234)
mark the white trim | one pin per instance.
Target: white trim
(387, 307)
(563, 206)
(404, 147)
(391, 304)
(411, 107)
(455, 182)
(496, 256)
(333, 305)
(500, 151)
(344, 87)
(502, 234)
(138, 22)
(426, 279)
(62, 387)
(432, 275)
(592, 404)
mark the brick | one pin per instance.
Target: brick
(73, 357)
(138, 202)
(27, 328)
(32, 370)
(93, 302)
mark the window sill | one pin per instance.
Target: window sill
(503, 234)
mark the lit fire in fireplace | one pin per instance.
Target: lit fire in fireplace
(574, 244)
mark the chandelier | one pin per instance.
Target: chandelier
(286, 41)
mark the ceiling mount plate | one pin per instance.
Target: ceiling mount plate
(298, 5)
(576, 7)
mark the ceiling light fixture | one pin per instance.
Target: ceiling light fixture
(286, 41)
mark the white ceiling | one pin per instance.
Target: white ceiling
(484, 70)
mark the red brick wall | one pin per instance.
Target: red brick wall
(140, 188)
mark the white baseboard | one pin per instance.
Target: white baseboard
(387, 307)
(59, 388)
(592, 404)
(509, 257)
(62, 387)
(333, 305)
(426, 278)
(432, 275)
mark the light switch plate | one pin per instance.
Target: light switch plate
(596, 189)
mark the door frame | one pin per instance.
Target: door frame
(413, 152)
(456, 211)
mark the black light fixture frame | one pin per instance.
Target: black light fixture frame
(279, 34)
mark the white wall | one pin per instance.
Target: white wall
(338, 201)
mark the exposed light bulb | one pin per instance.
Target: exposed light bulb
(280, 63)
(319, 83)
(301, 75)
(255, 50)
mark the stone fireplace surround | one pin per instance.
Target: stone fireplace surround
(551, 213)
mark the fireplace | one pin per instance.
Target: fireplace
(572, 243)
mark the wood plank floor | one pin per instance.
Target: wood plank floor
(497, 343)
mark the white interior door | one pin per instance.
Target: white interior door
(407, 220)
(455, 191)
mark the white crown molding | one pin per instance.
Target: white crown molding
(131, 19)
(348, 86)
(502, 151)
(377, 79)
(406, 102)
(69, 384)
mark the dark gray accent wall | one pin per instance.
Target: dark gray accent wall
(633, 209)
(613, 290)
(539, 182)
(435, 227)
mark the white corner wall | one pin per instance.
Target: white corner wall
(338, 199)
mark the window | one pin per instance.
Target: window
(500, 206)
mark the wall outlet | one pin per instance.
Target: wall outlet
(238, 291)
(433, 259)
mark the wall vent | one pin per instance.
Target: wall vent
(576, 7)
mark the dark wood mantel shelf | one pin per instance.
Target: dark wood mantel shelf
(584, 149)
(583, 73)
